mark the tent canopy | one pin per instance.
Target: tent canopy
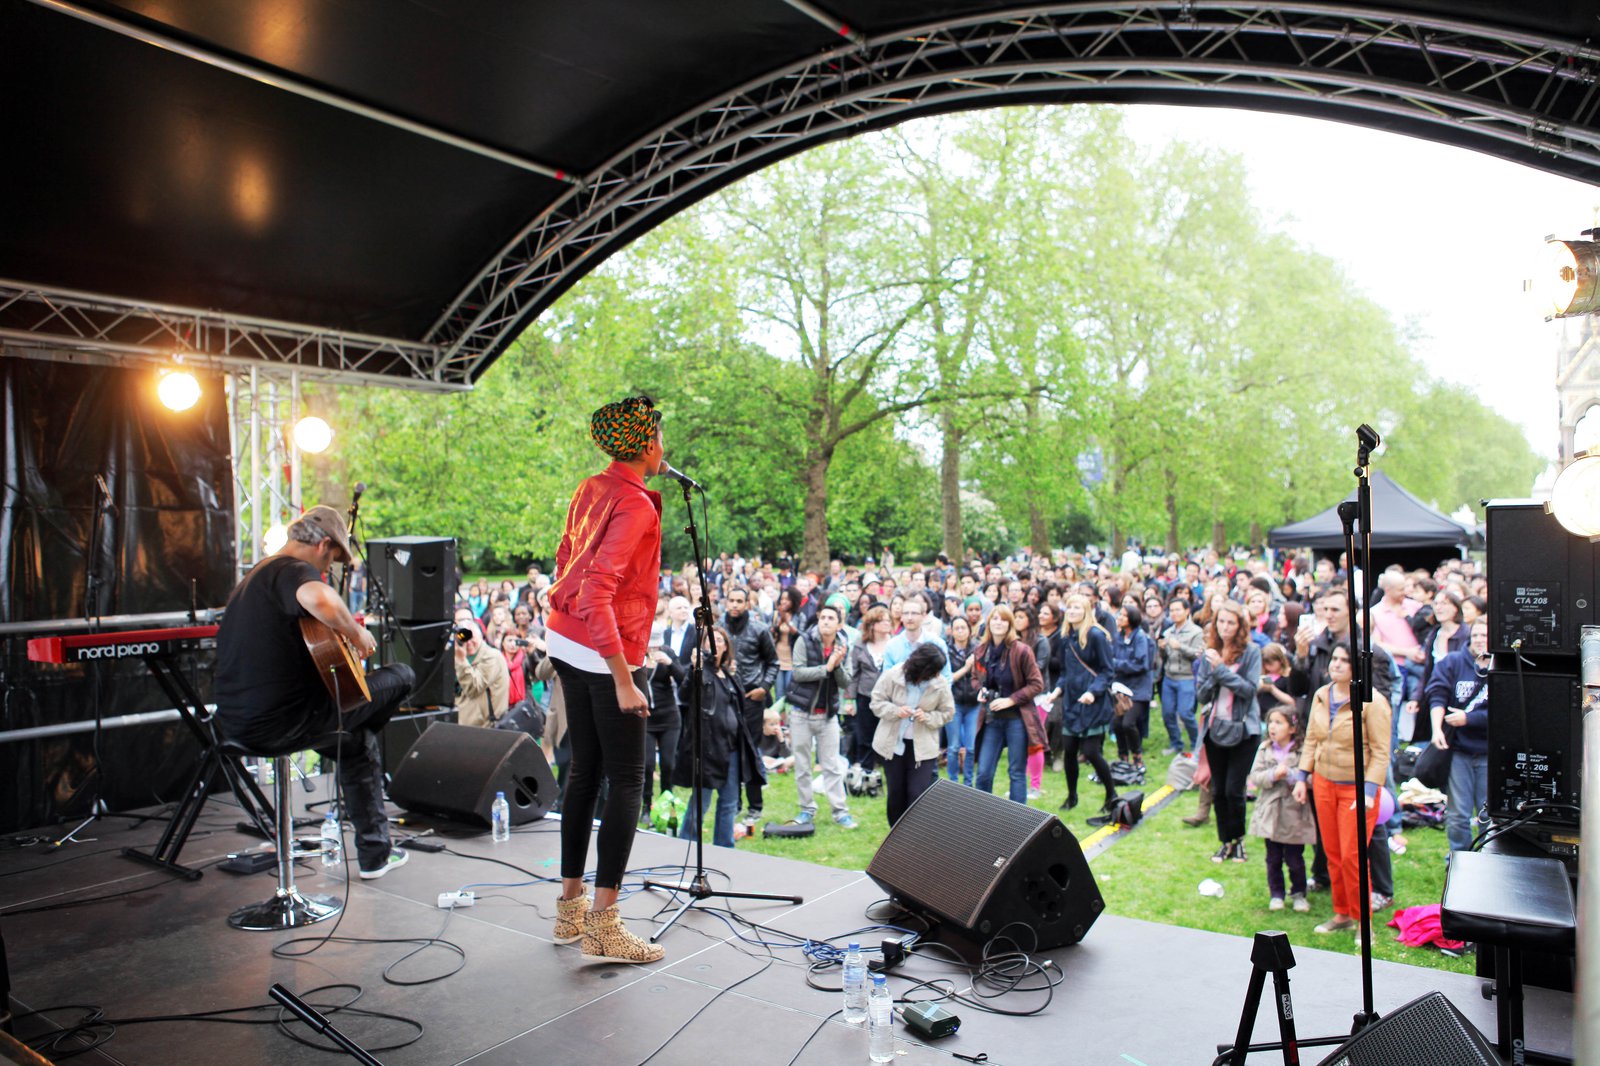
(392, 190)
(1399, 520)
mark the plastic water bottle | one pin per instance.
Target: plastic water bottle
(332, 840)
(880, 1021)
(855, 985)
(502, 818)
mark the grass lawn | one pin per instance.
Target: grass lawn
(1152, 872)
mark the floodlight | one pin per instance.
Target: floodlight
(312, 435)
(1568, 280)
(276, 536)
(1575, 497)
(178, 389)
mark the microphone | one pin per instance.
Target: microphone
(355, 497)
(679, 476)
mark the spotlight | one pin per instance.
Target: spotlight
(276, 536)
(312, 435)
(1568, 279)
(1575, 497)
(178, 389)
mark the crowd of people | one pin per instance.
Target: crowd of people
(878, 676)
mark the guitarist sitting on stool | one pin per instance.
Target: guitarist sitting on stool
(269, 692)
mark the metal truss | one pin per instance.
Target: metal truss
(1470, 84)
(262, 404)
(62, 323)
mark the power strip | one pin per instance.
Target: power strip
(452, 900)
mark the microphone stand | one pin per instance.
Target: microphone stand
(1352, 513)
(320, 1024)
(103, 505)
(698, 888)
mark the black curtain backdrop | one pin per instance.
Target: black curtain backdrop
(171, 479)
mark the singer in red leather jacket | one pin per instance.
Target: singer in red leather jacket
(602, 605)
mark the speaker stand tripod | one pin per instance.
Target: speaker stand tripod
(698, 888)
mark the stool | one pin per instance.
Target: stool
(1513, 903)
(288, 908)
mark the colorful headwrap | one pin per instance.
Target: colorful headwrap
(624, 429)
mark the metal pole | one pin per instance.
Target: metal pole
(255, 466)
(1586, 1004)
(294, 446)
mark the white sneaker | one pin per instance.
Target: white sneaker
(1276, 904)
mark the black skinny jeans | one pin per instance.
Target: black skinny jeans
(1090, 746)
(863, 724)
(662, 745)
(1131, 729)
(1229, 769)
(606, 743)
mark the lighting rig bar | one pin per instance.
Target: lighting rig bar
(75, 326)
(1461, 82)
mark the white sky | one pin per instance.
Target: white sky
(1440, 236)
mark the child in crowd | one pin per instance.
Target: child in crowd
(1286, 825)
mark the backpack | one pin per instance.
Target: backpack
(1126, 812)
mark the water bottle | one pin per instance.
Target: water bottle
(855, 985)
(332, 840)
(502, 818)
(880, 1021)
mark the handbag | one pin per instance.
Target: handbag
(1433, 766)
(1224, 732)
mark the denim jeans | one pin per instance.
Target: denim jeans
(727, 808)
(960, 732)
(1177, 706)
(1012, 735)
(1468, 790)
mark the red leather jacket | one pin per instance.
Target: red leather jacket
(608, 564)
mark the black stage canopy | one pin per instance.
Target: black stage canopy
(391, 190)
(1399, 520)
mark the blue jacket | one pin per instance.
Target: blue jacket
(1455, 683)
(1133, 658)
(1092, 674)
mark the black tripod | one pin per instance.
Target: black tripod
(698, 888)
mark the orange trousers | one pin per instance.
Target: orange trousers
(1336, 820)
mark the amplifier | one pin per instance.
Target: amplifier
(1535, 743)
(1542, 580)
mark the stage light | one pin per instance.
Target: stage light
(178, 389)
(1567, 284)
(312, 435)
(1575, 497)
(276, 536)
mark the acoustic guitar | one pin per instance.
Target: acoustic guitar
(338, 664)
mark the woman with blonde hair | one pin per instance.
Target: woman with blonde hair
(1086, 709)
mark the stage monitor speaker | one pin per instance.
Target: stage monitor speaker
(982, 865)
(454, 771)
(1542, 580)
(418, 575)
(1429, 1030)
(426, 649)
(1545, 762)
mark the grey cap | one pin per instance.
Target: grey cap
(330, 522)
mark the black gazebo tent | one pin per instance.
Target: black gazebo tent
(1404, 529)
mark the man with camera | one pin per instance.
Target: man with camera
(483, 681)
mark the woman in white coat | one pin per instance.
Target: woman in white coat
(913, 702)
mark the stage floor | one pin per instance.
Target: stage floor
(1131, 992)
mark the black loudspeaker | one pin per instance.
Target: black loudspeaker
(426, 649)
(1535, 743)
(454, 771)
(1428, 1029)
(1543, 584)
(981, 865)
(418, 575)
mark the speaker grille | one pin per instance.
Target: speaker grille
(973, 834)
(1428, 1029)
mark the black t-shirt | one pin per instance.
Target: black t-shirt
(266, 684)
